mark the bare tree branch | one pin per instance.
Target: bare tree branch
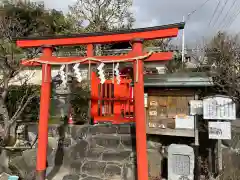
(103, 14)
(22, 107)
(223, 56)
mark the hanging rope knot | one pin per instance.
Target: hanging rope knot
(63, 75)
(101, 73)
(116, 69)
(113, 72)
(77, 72)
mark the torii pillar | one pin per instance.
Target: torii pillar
(44, 115)
(141, 140)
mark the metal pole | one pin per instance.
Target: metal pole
(219, 155)
(196, 146)
(183, 42)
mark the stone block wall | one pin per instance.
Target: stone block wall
(100, 152)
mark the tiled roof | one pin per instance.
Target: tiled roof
(192, 79)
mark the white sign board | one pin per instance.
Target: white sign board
(196, 107)
(145, 100)
(219, 108)
(219, 130)
(184, 122)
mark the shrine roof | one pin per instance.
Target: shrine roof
(190, 79)
(154, 28)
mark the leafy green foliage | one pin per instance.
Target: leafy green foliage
(80, 96)
(23, 19)
(176, 64)
(163, 44)
(33, 19)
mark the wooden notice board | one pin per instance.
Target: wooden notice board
(163, 108)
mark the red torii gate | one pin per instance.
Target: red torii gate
(136, 36)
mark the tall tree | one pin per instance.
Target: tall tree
(102, 15)
(21, 19)
(223, 56)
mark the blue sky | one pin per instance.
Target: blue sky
(159, 12)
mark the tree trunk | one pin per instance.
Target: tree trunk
(9, 129)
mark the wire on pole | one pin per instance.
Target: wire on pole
(214, 13)
(222, 22)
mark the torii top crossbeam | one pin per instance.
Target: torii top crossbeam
(136, 36)
(157, 32)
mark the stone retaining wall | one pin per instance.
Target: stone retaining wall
(101, 152)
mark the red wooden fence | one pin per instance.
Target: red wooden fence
(112, 102)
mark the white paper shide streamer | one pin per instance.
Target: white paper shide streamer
(63, 76)
(77, 72)
(101, 73)
(116, 69)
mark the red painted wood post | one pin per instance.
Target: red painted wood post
(44, 115)
(90, 53)
(141, 138)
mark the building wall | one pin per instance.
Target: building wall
(34, 76)
(31, 76)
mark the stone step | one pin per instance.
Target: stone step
(116, 155)
(77, 130)
(113, 141)
(81, 132)
(99, 148)
(90, 170)
(112, 129)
